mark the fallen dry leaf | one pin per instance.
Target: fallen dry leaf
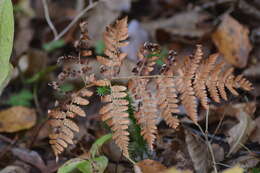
(191, 28)
(174, 170)
(198, 152)
(255, 137)
(218, 152)
(239, 133)
(234, 170)
(17, 118)
(231, 39)
(30, 157)
(13, 169)
(246, 161)
(149, 166)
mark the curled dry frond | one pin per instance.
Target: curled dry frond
(63, 127)
(147, 54)
(167, 99)
(114, 38)
(146, 113)
(116, 115)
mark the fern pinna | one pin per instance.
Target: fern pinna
(177, 83)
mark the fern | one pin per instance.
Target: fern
(196, 78)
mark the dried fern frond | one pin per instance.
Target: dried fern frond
(83, 44)
(62, 134)
(116, 115)
(196, 76)
(146, 114)
(147, 55)
(167, 99)
(75, 66)
(114, 38)
(201, 78)
(63, 127)
(184, 83)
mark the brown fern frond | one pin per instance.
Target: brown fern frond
(146, 114)
(212, 83)
(114, 38)
(83, 44)
(77, 66)
(184, 83)
(62, 134)
(114, 113)
(201, 78)
(62, 126)
(241, 82)
(147, 55)
(167, 99)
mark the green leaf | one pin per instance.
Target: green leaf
(51, 46)
(100, 47)
(23, 98)
(98, 143)
(256, 170)
(71, 165)
(85, 167)
(98, 164)
(6, 41)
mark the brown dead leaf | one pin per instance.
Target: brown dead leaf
(30, 157)
(255, 137)
(17, 118)
(13, 169)
(246, 161)
(198, 152)
(194, 26)
(218, 152)
(231, 39)
(149, 166)
(252, 71)
(174, 170)
(238, 135)
(235, 169)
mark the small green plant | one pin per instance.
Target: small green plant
(103, 90)
(51, 46)
(95, 162)
(22, 98)
(100, 47)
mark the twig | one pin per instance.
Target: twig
(211, 4)
(6, 139)
(222, 164)
(210, 148)
(219, 124)
(62, 33)
(48, 19)
(80, 5)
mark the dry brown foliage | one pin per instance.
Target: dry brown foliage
(176, 84)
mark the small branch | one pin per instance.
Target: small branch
(48, 19)
(6, 139)
(211, 4)
(210, 148)
(62, 33)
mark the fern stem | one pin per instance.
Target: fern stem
(210, 148)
